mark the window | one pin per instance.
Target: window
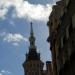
(64, 40)
(67, 2)
(67, 32)
(31, 73)
(73, 21)
(37, 73)
(38, 65)
(70, 29)
(61, 42)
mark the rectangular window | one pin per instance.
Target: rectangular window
(61, 42)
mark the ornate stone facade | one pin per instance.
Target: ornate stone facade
(62, 37)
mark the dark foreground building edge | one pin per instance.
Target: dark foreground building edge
(61, 26)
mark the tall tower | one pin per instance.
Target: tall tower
(32, 65)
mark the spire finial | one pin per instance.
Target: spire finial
(32, 37)
(31, 29)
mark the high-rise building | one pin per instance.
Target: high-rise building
(62, 37)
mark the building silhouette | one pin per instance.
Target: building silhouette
(33, 65)
(61, 26)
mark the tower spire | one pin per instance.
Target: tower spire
(31, 33)
(32, 54)
(32, 38)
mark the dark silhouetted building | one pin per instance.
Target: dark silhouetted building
(61, 26)
(33, 65)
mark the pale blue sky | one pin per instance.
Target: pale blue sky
(15, 17)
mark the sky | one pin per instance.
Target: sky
(15, 18)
